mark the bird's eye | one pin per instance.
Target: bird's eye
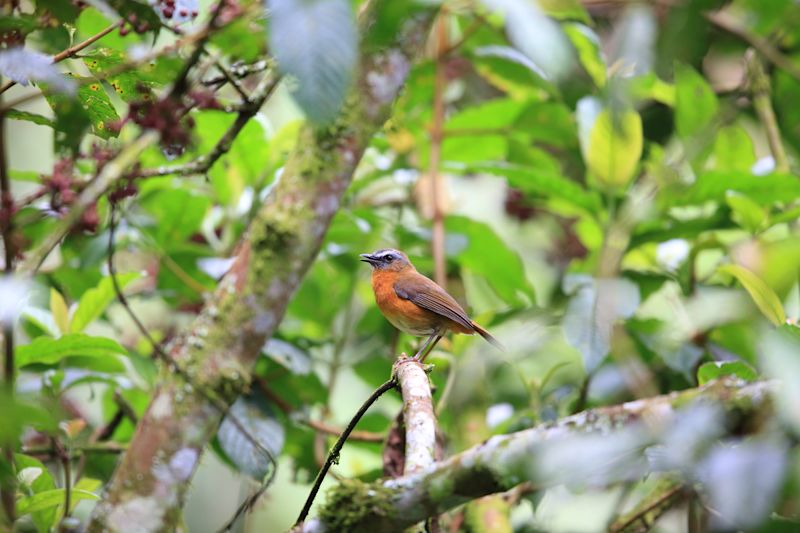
(388, 257)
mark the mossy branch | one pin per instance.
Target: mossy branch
(219, 348)
(505, 461)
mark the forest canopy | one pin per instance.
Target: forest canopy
(191, 342)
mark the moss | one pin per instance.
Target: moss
(352, 505)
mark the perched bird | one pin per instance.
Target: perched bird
(415, 304)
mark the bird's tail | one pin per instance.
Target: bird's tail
(488, 336)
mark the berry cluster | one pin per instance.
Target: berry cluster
(168, 117)
(176, 10)
(132, 23)
(517, 206)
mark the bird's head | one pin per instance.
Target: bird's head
(387, 259)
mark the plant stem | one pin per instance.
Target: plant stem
(760, 89)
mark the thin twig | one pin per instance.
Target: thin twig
(762, 102)
(63, 456)
(333, 456)
(727, 22)
(72, 50)
(437, 137)
(203, 164)
(230, 78)
(8, 488)
(239, 71)
(75, 450)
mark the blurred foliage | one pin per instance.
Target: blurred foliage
(615, 215)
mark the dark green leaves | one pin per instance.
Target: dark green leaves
(258, 419)
(715, 370)
(486, 254)
(315, 41)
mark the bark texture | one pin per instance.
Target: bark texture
(220, 347)
(505, 461)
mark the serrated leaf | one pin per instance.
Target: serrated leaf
(51, 498)
(763, 296)
(258, 419)
(614, 147)
(94, 301)
(315, 41)
(58, 307)
(717, 369)
(48, 351)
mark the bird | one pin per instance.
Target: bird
(415, 304)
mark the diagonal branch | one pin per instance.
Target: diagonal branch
(505, 461)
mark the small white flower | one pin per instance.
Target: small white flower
(763, 166)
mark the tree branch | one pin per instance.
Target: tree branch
(727, 22)
(418, 415)
(762, 102)
(220, 347)
(504, 461)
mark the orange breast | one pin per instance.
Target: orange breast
(407, 316)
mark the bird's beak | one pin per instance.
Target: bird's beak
(367, 258)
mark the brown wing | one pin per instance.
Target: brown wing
(428, 295)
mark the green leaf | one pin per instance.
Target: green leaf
(733, 149)
(615, 147)
(316, 42)
(99, 108)
(487, 255)
(259, 420)
(714, 185)
(717, 369)
(764, 297)
(129, 85)
(747, 213)
(540, 183)
(51, 498)
(16, 114)
(34, 477)
(94, 301)
(48, 351)
(587, 43)
(695, 102)
(58, 307)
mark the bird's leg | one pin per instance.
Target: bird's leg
(428, 346)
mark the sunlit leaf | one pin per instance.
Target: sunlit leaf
(37, 479)
(587, 43)
(763, 296)
(714, 185)
(45, 350)
(614, 147)
(316, 42)
(58, 308)
(95, 301)
(51, 498)
(16, 114)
